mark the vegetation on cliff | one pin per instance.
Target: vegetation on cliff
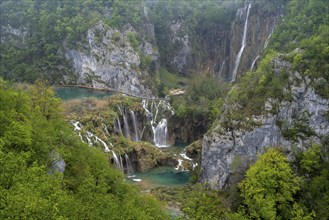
(31, 127)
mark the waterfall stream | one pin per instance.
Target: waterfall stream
(133, 118)
(159, 127)
(243, 45)
(125, 122)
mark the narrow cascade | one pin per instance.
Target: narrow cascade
(253, 63)
(121, 164)
(221, 69)
(116, 161)
(160, 133)
(125, 123)
(243, 45)
(118, 124)
(129, 168)
(133, 117)
(159, 127)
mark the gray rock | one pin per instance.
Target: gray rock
(221, 149)
(109, 61)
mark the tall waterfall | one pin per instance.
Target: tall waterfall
(159, 126)
(129, 168)
(243, 45)
(133, 118)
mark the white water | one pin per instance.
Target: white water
(221, 69)
(180, 162)
(116, 160)
(159, 127)
(253, 63)
(119, 126)
(185, 156)
(133, 117)
(268, 38)
(125, 123)
(129, 168)
(160, 133)
(243, 45)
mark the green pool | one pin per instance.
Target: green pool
(162, 176)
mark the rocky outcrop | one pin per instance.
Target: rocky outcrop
(300, 122)
(111, 60)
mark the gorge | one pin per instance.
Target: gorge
(229, 98)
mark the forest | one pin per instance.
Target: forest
(49, 171)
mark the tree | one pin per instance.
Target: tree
(269, 187)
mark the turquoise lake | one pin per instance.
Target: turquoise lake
(163, 176)
(68, 93)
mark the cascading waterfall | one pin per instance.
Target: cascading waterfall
(159, 127)
(129, 168)
(243, 45)
(222, 67)
(119, 126)
(160, 132)
(133, 117)
(125, 123)
(121, 164)
(253, 63)
(116, 161)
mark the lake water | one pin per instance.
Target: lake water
(68, 93)
(163, 176)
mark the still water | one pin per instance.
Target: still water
(68, 93)
(163, 176)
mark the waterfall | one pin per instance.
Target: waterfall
(119, 126)
(121, 164)
(268, 38)
(133, 117)
(253, 63)
(243, 45)
(221, 69)
(116, 160)
(160, 132)
(159, 127)
(106, 148)
(125, 123)
(129, 168)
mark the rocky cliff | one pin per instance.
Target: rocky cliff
(300, 122)
(187, 46)
(110, 60)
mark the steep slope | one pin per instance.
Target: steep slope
(284, 103)
(196, 37)
(119, 45)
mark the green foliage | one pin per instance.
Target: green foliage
(313, 166)
(43, 29)
(88, 189)
(306, 27)
(133, 40)
(269, 188)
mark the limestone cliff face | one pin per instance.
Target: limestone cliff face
(186, 48)
(223, 151)
(109, 60)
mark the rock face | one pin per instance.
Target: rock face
(213, 48)
(110, 60)
(223, 152)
